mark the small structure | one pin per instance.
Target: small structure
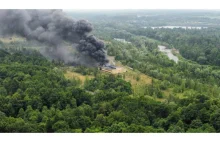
(112, 69)
(107, 67)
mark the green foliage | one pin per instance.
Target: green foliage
(108, 83)
(215, 120)
(86, 70)
(36, 97)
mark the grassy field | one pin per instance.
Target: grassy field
(138, 80)
(73, 75)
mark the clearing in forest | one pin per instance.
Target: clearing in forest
(74, 75)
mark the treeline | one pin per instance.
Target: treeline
(201, 46)
(153, 63)
(190, 79)
(35, 97)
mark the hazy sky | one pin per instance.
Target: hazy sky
(148, 4)
(112, 4)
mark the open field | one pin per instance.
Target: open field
(73, 75)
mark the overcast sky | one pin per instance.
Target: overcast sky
(111, 4)
(147, 4)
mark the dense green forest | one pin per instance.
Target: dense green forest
(36, 96)
(201, 46)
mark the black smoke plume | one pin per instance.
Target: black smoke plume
(53, 27)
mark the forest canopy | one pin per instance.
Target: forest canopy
(153, 95)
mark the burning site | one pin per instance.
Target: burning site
(54, 28)
(109, 71)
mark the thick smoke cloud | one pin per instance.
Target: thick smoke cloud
(53, 27)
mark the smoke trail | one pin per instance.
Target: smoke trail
(53, 27)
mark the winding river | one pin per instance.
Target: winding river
(168, 52)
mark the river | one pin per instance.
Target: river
(168, 52)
